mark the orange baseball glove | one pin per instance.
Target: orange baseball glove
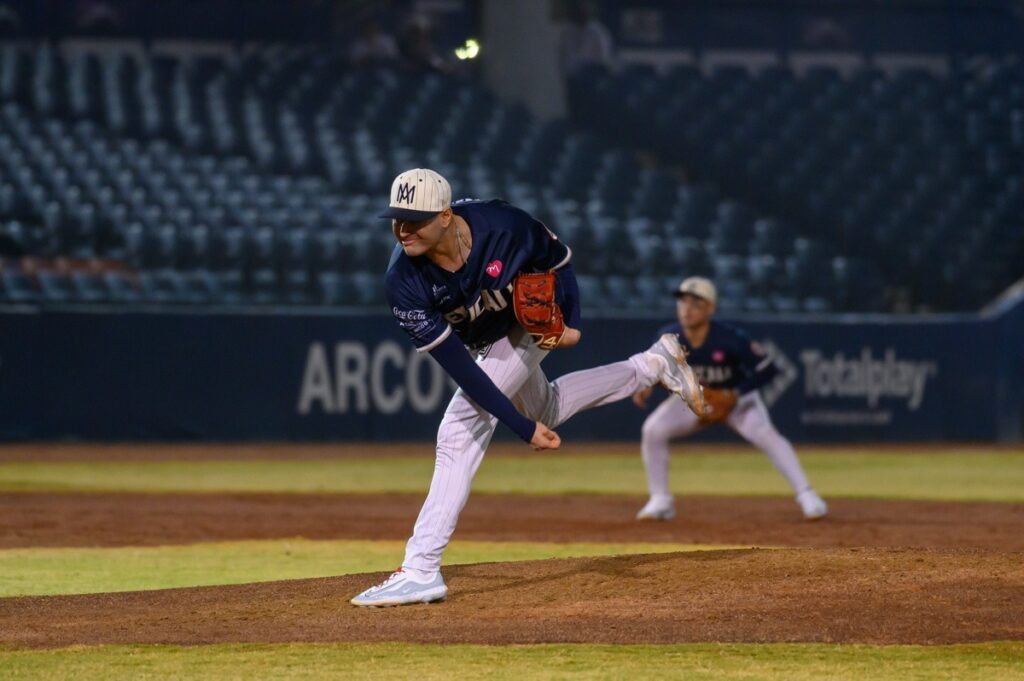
(533, 300)
(720, 403)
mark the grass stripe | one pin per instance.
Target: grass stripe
(51, 571)
(978, 476)
(710, 662)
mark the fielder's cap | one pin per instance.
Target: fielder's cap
(698, 286)
(418, 194)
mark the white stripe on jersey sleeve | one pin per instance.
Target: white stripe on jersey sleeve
(437, 341)
(566, 259)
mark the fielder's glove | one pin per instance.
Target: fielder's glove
(533, 301)
(720, 403)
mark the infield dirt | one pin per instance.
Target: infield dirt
(77, 519)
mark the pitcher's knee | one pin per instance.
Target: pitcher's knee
(768, 437)
(535, 410)
(654, 432)
(544, 410)
(447, 441)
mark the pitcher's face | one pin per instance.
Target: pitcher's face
(418, 238)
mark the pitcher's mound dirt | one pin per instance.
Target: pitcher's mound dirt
(827, 595)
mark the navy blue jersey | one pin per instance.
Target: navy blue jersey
(727, 358)
(476, 301)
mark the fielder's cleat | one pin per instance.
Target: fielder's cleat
(676, 375)
(401, 589)
(811, 505)
(658, 508)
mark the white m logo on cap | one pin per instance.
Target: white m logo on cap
(406, 193)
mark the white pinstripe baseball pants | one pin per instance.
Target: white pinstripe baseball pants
(750, 419)
(513, 364)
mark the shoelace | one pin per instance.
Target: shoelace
(394, 575)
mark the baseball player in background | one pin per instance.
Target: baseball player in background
(731, 367)
(488, 276)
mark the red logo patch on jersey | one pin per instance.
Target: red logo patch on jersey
(718, 356)
(494, 269)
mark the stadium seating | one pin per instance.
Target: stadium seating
(256, 179)
(905, 170)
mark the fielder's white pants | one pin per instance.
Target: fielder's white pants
(750, 419)
(513, 364)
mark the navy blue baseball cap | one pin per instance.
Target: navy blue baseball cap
(418, 194)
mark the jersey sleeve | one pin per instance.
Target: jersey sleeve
(409, 304)
(541, 248)
(757, 366)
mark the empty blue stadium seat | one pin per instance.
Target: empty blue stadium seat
(89, 287)
(732, 294)
(18, 287)
(56, 287)
(765, 273)
(295, 250)
(122, 287)
(229, 287)
(194, 248)
(262, 249)
(200, 287)
(229, 248)
(368, 288)
(263, 287)
(326, 250)
(757, 304)
(334, 289)
(298, 287)
(816, 305)
(728, 267)
(590, 290)
(652, 293)
(620, 291)
(771, 237)
(858, 284)
(162, 247)
(162, 287)
(785, 304)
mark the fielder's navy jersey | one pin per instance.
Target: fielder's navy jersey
(727, 358)
(476, 301)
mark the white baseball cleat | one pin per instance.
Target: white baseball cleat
(675, 374)
(658, 508)
(811, 505)
(402, 589)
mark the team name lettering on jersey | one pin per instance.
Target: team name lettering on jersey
(489, 301)
(713, 374)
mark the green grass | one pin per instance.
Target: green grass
(778, 662)
(50, 571)
(981, 475)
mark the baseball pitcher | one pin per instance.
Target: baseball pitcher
(486, 276)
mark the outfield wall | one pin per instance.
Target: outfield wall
(348, 376)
